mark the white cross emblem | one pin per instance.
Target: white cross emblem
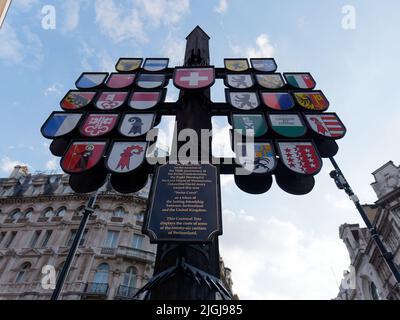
(194, 79)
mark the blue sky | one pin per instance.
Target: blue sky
(278, 246)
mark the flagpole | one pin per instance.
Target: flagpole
(342, 184)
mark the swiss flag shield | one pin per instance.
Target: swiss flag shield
(194, 78)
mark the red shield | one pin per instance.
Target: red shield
(82, 156)
(75, 100)
(111, 100)
(300, 157)
(194, 78)
(120, 81)
(97, 125)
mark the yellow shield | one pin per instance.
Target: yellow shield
(128, 65)
(237, 65)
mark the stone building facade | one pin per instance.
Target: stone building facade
(39, 215)
(369, 277)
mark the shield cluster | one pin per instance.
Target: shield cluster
(105, 119)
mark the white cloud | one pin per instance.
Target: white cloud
(167, 12)
(72, 10)
(119, 23)
(55, 88)
(7, 164)
(222, 7)
(52, 164)
(22, 48)
(262, 49)
(106, 62)
(11, 49)
(24, 5)
(275, 259)
(131, 19)
(174, 48)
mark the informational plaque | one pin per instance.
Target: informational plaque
(185, 204)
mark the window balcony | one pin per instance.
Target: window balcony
(96, 290)
(22, 220)
(126, 293)
(108, 251)
(141, 255)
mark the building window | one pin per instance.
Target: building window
(374, 292)
(101, 276)
(22, 273)
(48, 213)
(79, 212)
(61, 212)
(35, 238)
(130, 277)
(112, 239)
(140, 216)
(10, 239)
(119, 212)
(137, 241)
(16, 214)
(72, 237)
(46, 238)
(2, 236)
(28, 213)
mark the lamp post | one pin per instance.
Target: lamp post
(342, 184)
(88, 211)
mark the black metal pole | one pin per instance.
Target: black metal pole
(343, 184)
(71, 255)
(195, 114)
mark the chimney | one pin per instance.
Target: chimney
(19, 171)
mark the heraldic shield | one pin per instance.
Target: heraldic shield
(194, 78)
(258, 158)
(128, 64)
(83, 156)
(313, 100)
(289, 125)
(300, 80)
(120, 80)
(75, 100)
(243, 100)
(136, 124)
(278, 100)
(264, 65)
(270, 81)
(251, 125)
(150, 81)
(97, 125)
(156, 65)
(239, 81)
(141, 100)
(237, 65)
(111, 100)
(126, 157)
(300, 157)
(60, 124)
(91, 80)
(326, 124)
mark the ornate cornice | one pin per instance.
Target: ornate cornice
(69, 197)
